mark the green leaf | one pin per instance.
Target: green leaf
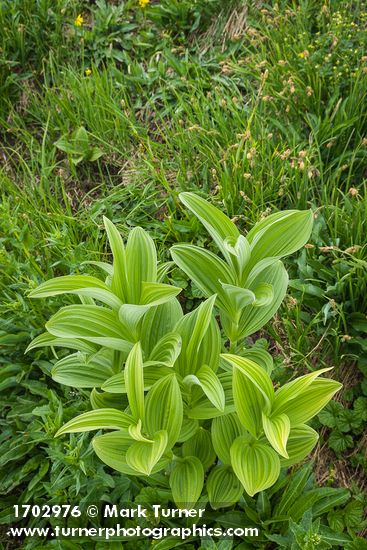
(200, 445)
(277, 430)
(47, 339)
(334, 497)
(252, 392)
(261, 357)
(188, 429)
(218, 225)
(103, 400)
(157, 322)
(280, 234)
(294, 489)
(154, 294)
(200, 340)
(254, 316)
(134, 382)
(120, 283)
(163, 408)
(224, 488)
(203, 315)
(163, 269)
(106, 267)
(339, 442)
(309, 403)
(130, 316)
(330, 415)
(111, 419)
(235, 298)
(225, 429)
(255, 464)
(112, 448)
(83, 371)
(210, 384)
(293, 389)
(92, 323)
(166, 350)
(81, 285)
(205, 269)
(186, 481)
(202, 409)
(141, 260)
(116, 384)
(142, 456)
(240, 252)
(301, 441)
(135, 431)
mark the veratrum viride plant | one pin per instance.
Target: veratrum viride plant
(175, 393)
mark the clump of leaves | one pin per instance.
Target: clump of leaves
(176, 399)
(78, 147)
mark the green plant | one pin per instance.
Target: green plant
(187, 409)
(78, 147)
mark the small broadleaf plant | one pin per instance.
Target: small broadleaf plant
(170, 395)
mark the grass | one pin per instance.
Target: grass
(259, 108)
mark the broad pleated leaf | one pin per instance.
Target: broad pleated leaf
(92, 323)
(142, 456)
(167, 349)
(81, 285)
(255, 464)
(155, 294)
(134, 382)
(202, 409)
(111, 419)
(200, 445)
(276, 429)
(203, 315)
(254, 373)
(203, 267)
(103, 400)
(264, 294)
(235, 298)
(120, 283)
(135, 431)
(111, 449)
(280, 234)
(225, 429)
(141, 259)
(47, 339)
(240, 252)
(201, 340)
(130, 316)
(82, 371)
(157, 322)
(249, 402)
(224, 487)
(218, 225)
(210, 384)
(186, 481)
(106, 267)
(309, 403)
(188, 429)
(116, 384)
(163, 269)
(163, 408)
(254, 316)
(301, 441)
(293, 389)
(261, 357)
